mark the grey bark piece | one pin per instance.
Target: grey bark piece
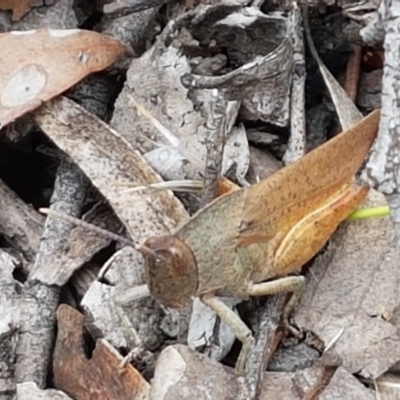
(20, 224)
(207, 333)
(30, 391)
(297, 140)
(179, 368)
(84, 244)
(120, 271)
(37, 329)
(383, 168)
(135, 30)
(370, 88)
(237, 154)
(217, 130)
(68, 196)
(94, 94)
(171, 164)
(351, 293)
(103, 319)
(263, 91)
(8, 342)
(278, 385)
(345, 386)
(293, 358)
(155, 79)
(10, 321)
(374, 32)
(99, 304)
(60, 15)
(42, 290)
(265, 323)
(262, 164)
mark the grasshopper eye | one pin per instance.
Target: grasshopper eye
(171, 270)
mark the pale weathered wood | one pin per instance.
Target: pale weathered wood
(297, 140)
(20, 224)
(383, 168)
(41, 291)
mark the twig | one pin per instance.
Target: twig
(215, 143)
(297, 140)
(41, 292)
(268, 321)
(353, 72)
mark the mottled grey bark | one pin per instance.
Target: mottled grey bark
(216, 128)
(297, 140)
(20, 224)
(42, 290)
(383, 167)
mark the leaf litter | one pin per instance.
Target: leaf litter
(350, 299)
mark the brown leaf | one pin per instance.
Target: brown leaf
(97, 378)
(19, 7)
(38, 65)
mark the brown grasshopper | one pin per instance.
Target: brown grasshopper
(246, 242)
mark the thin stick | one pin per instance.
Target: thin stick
(141, 248)
(87, 225)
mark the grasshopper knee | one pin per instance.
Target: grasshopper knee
(281, 285)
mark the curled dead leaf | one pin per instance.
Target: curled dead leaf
(101, 376)
(38, 65)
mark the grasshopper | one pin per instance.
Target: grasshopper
(246, 242)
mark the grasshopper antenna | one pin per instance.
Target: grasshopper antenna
(86, 225)
(100, 231)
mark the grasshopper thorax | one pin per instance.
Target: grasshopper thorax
(171, 270)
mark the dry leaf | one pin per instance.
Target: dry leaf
(19, 7)
(110, 163)
(38, 65)
(347, 112)
(99, 377)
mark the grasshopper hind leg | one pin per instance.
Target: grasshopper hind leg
(239, 328)
(292, 284)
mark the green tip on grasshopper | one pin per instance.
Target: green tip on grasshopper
(370, 212)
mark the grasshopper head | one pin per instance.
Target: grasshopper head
(171, 270)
